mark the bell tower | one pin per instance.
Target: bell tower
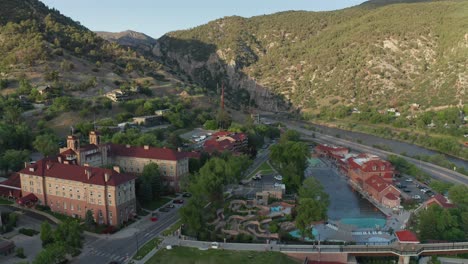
(73, 142)
(94, 138)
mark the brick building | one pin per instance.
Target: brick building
(73, 190)
(364, 166)
(173, 164)
(439, 200)
(381, 191)
(330, 151)
(226, 141)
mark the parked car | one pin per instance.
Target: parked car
(409, 180)
(424, 190)
(214, 245)
(278, 177)
(277, 184)
(170, 206)
(187, 195)
(178, 201)
(416, 197)
(154, 217)
(407, 191)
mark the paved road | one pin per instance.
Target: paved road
(104, 250)
(434, 170)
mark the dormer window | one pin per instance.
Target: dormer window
(374, 168)
(382, 168)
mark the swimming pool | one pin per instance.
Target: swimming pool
(297, 234)
(364, 222)
(276, 209)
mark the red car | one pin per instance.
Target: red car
(178, 201)
(154, 217)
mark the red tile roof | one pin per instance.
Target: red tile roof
(149, 153)
(26, 199)
(223, 140)
(51, 168)
(440, 200)
(14, 181)
(391, 196)
(377, 183)
(406, 236)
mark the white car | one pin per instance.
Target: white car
(409, 180)
(416, 197)
(214, 245)
(278, 184)
(424, 190)
(278, 177)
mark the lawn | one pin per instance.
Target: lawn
(265, 168)
(153, 205)
(172, 228)
(144, 250)
(4, 201)
(184, 255)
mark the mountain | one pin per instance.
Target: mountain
(45, 47)
(130, 38)
(391, 55)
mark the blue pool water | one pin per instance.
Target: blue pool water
(364, 222)
(297, 234)
(276, 209)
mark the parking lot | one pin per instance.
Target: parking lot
(267, 182)
(412, 189)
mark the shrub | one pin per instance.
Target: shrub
(28, 232)
(20, 252)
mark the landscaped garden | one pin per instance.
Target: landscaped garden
(184, 255)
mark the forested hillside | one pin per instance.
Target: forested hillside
(384, 55)
(42, 46)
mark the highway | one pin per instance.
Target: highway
(435, 171)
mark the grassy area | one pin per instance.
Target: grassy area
(153, 205)
(184, 255)
(172, 228)
(265, 168)
(4, 201)
(145, 249)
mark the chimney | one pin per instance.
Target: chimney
(86, 165)
(106, 176)
(127, 146)
(117, 169)
(88, 173)
(48, 165)
(59, 159)
(146, 147)
(25, 164)
(179, 149)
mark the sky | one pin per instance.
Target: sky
(156, 17)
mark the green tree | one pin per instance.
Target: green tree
(46, 234)
(290, 135)
(53, 253)
(210, 125)
(152, 177)
(46, 144)
(89, 219)
(308, 211)
(13, 159)
(459, 196)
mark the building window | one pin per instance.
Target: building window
(31, 189)
(56, 193)
(99, 201)
(71, 195)
(110, 202)
(91, 193)
(72, 207)
(63, 194)
(383, 168)
(65, 205)
(38, 190)
(374, 168)
(109, 195)
(79, 208)
(78, 197)
(50, 185)
(31, 183)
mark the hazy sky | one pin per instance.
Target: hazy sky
(156, 17)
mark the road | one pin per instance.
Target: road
(434, 170)
(112, 248)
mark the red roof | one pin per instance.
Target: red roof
(440, 200)
(51, 168)
(28, 198)
(377, 183)
(223, 140)
(406, 236)
(13, 181)
(391, 196)
(148, 153)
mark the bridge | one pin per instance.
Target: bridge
(403, 251)
(336, 253)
